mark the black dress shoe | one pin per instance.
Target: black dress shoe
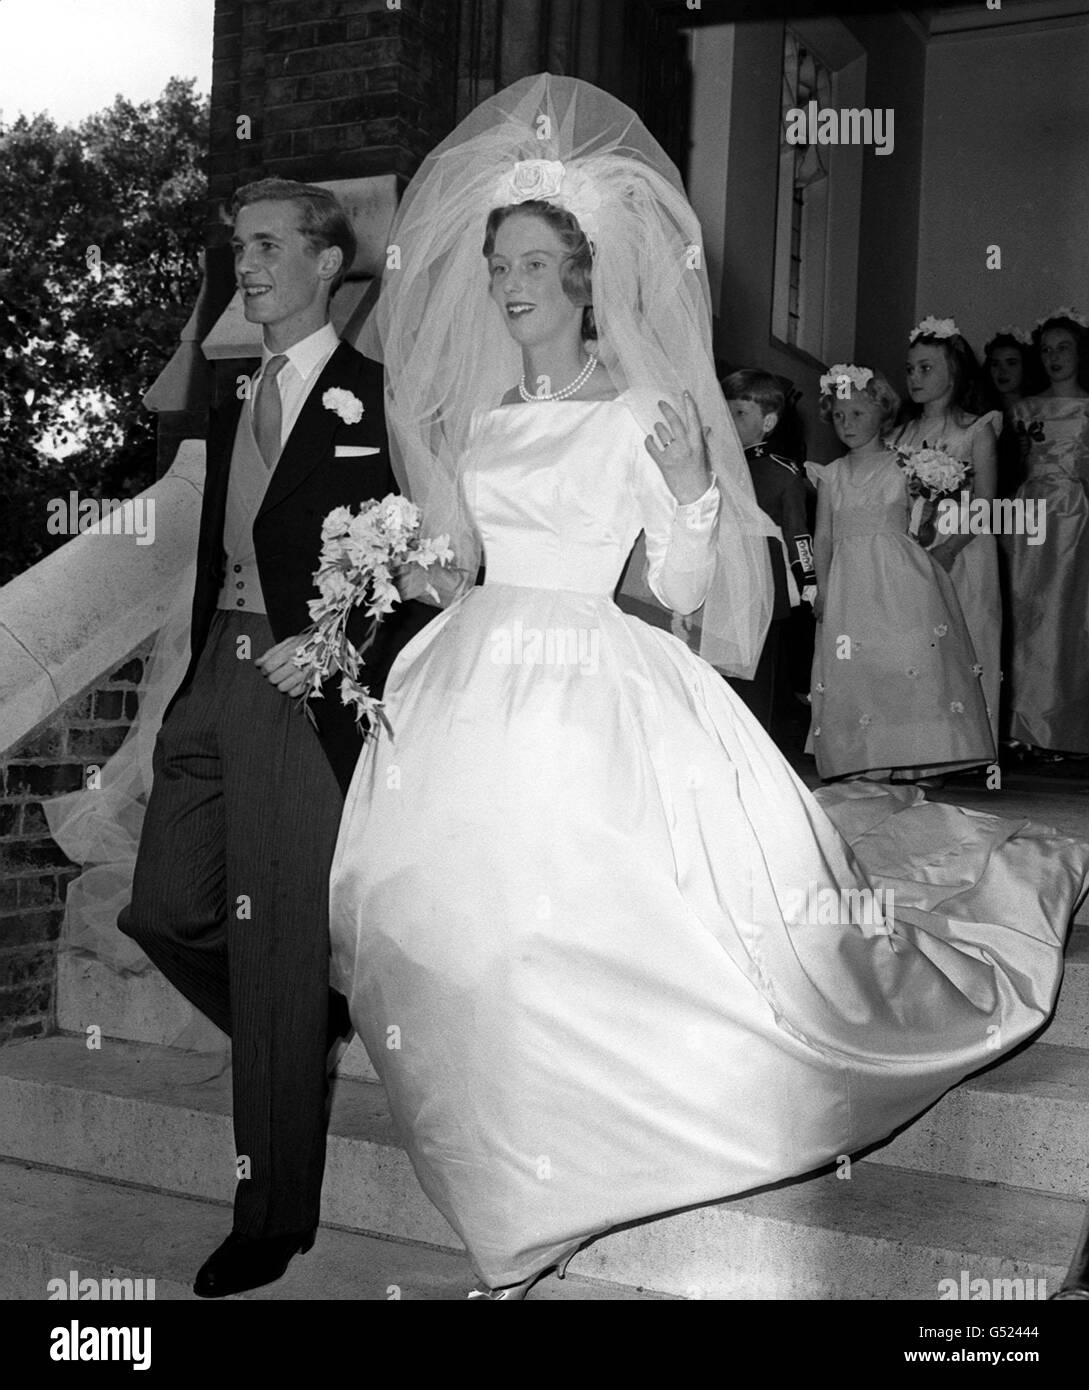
(247, 1262)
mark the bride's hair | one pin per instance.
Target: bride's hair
(577, 264)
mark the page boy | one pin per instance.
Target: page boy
(756, 403)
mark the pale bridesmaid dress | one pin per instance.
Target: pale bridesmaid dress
(975, 570)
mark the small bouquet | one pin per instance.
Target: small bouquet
(931, 474)
(359, 556)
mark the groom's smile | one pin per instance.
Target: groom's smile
(283, 280)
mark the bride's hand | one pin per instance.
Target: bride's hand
(679, 449)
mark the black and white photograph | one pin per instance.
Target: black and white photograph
(544, 661)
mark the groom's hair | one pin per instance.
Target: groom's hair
(322, 220)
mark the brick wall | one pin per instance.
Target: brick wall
(34, 871)
(331, 88)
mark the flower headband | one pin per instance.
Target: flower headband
(831, 382)
(1063, 312)
(551, 181)
(934, 328)
(1011, 330)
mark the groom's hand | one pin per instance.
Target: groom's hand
(413, 581)
(277, 666)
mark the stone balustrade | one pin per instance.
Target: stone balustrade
(81, 610)
(74, 632)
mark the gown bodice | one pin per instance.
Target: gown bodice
(953, 438)
(870, 503)
(560, 491)
(1058, 433)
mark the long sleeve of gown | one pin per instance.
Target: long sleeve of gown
(680, 540)
(453, 580)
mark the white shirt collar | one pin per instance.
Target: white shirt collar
(308, 353)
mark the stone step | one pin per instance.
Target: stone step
(1024, 1123)
(884, 1234)
(56, 1225)
(145, 1008)
(1070, 1025)
(824, 1239)
(161, 1117)
(132, 1112)
(142, 1007)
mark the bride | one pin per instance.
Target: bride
(607, 953)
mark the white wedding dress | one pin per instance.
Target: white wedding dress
(567, 897)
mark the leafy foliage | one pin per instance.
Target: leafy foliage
(101, 228)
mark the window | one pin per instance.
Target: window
(801, 234)
(819, 190)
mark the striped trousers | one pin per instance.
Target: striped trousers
(231, 901)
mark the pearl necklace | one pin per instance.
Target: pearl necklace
(565, 391)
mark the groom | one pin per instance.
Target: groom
(230, 894)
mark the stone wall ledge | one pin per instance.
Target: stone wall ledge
(83, 608)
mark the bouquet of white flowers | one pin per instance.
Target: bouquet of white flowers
(931, 474)
(359, 557)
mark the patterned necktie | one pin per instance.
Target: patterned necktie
(268, 413)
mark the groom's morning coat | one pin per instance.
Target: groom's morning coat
(309, 480)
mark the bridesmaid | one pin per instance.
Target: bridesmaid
(947, 410)
(1049, 580)
(895, 683)
(1012, 373)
